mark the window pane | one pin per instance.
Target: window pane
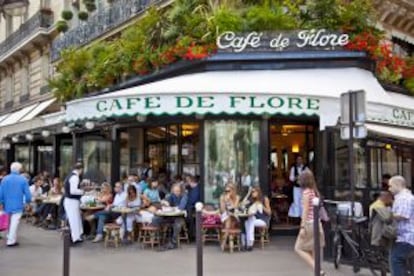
(97, 160)
(65, 158)
(231, 150)
(189, 149)
(389, 162)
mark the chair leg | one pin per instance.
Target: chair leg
(231, 239)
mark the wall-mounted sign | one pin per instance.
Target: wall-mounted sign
(391, 115)
(283, 41)
(193, 104)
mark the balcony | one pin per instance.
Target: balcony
(100, 23)
(38, 24)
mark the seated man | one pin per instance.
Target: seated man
(178, 198)
(106, 215)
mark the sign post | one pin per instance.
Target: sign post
(199, 241)
(353, 114)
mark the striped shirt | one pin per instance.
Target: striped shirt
(310, 195)
(404, 207)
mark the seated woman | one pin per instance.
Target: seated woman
(229, 201)
(46, 212)
(106, 214)
(105, 197)
(151, 195)
(259, 215)
(132, 201)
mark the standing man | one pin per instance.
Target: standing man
(403, 214)
(295, 209)
(14, 190)
(71, 203)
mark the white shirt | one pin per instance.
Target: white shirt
(246, 180)
(292, 175)
(120, 199)
(74, 184)
(35, 192)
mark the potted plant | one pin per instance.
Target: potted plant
(83, 15)
(67, 15)
(62, 26)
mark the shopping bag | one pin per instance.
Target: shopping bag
(4, 221)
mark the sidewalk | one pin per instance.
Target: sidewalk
(40, 254)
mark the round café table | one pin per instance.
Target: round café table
(124, 211)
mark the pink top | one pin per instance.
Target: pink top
(310, 194)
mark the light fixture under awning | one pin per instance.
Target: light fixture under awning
(405, 134)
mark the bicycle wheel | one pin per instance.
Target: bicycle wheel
(337, 247)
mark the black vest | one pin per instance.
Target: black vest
(67, 188)
(296, 183)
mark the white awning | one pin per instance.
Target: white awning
(298, 92)
(405, 134)
(25, 119)
(37, 110)
(17, 115)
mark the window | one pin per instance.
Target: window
(25, 157)
(231, 150)
(65, 157)
(96, 158)
(9, 25)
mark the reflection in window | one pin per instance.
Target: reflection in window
(97, 160)
(65, 157)
(231, 153)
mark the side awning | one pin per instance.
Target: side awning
(406, 134)
(24, 119)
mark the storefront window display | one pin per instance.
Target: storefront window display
(24, 156)
(231, 154)
(97, 160)
(342, 185)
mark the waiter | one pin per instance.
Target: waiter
(71, 203)
(295, 209)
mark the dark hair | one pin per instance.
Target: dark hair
(37, 178)
(386, 176)
(131, 188)
(259, 191)
(78, 166)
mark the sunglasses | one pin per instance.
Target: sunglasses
(227, 191)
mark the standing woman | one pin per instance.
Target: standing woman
(304, 245)
(229, 201)
(71, 203)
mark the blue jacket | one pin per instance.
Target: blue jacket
(180, 202)
(193, 196)
(14, 190)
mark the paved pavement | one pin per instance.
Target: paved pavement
(40, 254)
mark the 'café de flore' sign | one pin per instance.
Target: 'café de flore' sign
(192, 104)
(283, 41)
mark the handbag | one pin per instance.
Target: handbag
(4, 221)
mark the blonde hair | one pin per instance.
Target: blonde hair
(107, 186)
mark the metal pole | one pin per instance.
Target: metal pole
(30, 157)
(66, 251)
(317, 244)
(351, 152)
(199, 208)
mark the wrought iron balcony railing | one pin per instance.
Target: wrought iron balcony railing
(101, 22)
(42, 19)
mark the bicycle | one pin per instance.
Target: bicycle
(363, 254)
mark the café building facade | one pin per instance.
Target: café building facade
(242, 115)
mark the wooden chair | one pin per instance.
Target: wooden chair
(233, 241)
(112, 234)
(211, 233)
(183, 236)
(262, 235)
(150, 235)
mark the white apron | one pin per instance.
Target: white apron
(73, 214)
(295, 210)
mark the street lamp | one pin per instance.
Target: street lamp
(14, 7)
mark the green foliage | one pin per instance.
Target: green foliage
(82, 15)
(269, 17)
(67, 15)
(409, 84)
(186, 30)
(62, 26)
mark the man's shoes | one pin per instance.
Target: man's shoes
(13, 244)
(249, 248)
(98, 238)
(78, 242)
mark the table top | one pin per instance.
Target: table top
(124, 210)
(174, 213)
(93, 208)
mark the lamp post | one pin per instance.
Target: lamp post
(14, 7)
